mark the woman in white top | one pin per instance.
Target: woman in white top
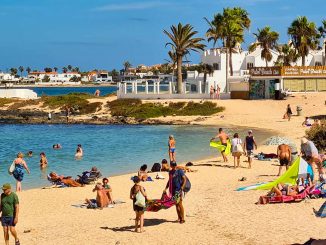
(237, 149)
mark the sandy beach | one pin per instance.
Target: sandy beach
(215, 212)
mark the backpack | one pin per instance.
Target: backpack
(156, 167)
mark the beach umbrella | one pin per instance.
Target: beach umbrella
(277, 140)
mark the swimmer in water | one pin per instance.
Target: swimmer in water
(43, 160)
(79, 151)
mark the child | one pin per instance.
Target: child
(138, 210)
(108, 189)
(172, 148)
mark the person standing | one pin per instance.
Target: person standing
(79, 151)
(237, 150)
(288, 112)
(224, 141)
(18, 173)
(43, 160)
(218, 91)
(9, 208)
(249, 145)
(172, 152)
(211, 92)
(176, 185)
(138, 209)
(284, 156)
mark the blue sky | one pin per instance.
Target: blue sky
(104, 33)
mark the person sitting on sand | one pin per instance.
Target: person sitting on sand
(79, 151)
(65, 180)
(108, 189)
(284, 156)
(102, 199)
(142, 173)
(165, 165)
(307, 122)
(43, 160)
(172, 152)
(57, 146)
(139, 221)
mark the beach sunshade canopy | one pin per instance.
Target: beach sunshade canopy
(218, 145)
(299, 169)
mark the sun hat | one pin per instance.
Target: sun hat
(6, 186)
(304, 140)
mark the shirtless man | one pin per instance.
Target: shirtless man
(224, 140)
(284, 155)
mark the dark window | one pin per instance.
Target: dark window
(250, 65)
(216, 66)
(317, 63)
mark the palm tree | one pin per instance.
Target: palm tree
(55, 69)
(229, 27)
(69, 67)
(267, 40)
(28, 69)
(206, 69)
(304, 36)
(76, 69)
(21, 69)
(13, 71)
(287, 55)
(64, 69)
(183, 41)
(322, 32)
(126, 66)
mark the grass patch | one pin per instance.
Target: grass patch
(23, 103)
(5, 101)
(135, 108)
(76, 101)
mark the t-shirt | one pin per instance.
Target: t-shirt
(8, 204)
(309, 149)
(176, 180)
(235, 142)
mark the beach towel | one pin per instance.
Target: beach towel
(165, 202)
(218, 145)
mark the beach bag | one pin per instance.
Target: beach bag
(156, 167)
(187, 186)
(11, 168)
(238, 148)
(140, 200)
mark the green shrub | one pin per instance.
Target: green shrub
(90, 108)
(23, 103)
(135, 108)
(5, 101)
(71, 100)
(317, 134)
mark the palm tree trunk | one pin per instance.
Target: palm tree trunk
(303, 60)
(179, 70)
(230, 61)
(266, 63)
(227, 71)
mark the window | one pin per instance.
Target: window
(317, 63)
(250, 65)
(216, 66)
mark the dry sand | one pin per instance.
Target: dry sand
(215, 212)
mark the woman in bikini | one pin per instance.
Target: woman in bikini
(172, 148)
(43, 160)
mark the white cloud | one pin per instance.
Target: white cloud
(131, 6)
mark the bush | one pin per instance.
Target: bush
(90, 108)
(317, 134)
(5, 101)
(71, 100)
(135, 108)
(23, 103)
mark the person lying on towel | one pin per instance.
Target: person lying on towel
(65, 180)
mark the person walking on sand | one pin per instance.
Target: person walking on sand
(139, 209)
(9, 208)
(43, 160)
(224, 140)
(249, 145)
(18, 173)
(237, 149)
(288, 113)
(176, 184)
(172, 152)
(284, 156)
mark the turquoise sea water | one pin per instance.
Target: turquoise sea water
(66, 90)
(113, 149)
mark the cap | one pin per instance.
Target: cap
(304, 140)
(250, 131)
(6, 186)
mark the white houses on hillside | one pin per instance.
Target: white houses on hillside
(53, 76)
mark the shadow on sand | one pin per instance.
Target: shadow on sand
(131, 228)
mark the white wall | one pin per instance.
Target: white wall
(18, 93)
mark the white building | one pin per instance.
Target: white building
(8, 77)
(99, 76)
(54, 77)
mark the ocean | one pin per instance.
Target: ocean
(114, 149)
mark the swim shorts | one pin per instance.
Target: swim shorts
(172, 150)
(225, 144)
(7, 221)
(284, 162)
